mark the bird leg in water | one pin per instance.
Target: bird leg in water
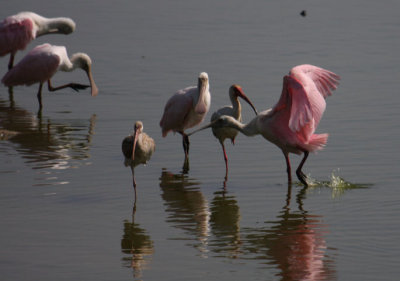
(11, 61)
(74, 86)
(186, 143)
(226, 161)
(288, 168)
(39, 96)
(300, 175)
(133, 180)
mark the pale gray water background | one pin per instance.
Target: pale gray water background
(66, 199)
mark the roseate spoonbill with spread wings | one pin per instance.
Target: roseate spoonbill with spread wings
(137, 149)
(18, 30)
(234, 110)
(41, 63)
(291, 123)
(186, 109)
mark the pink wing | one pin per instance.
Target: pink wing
(15, 34)
(176, 111)
(303, 97)
(38, 65)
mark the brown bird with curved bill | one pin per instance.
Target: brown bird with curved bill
(137, 149)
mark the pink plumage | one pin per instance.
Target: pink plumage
(17, 31)
(15, 34)
(38, 66)
(291, 123)
(186, 109)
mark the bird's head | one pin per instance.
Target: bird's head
(138, 126)
(83, 61)
(236, 91)
(66, 26)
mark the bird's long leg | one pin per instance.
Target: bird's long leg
(288, 167)
(226, 160)
(74, 86)
(39, 96)
(11, 61)
(300, 175)
(133, 180)
(186, 143)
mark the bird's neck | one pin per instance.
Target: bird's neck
(50, 25)
(237, 107)
(202, 104)
(249, 129)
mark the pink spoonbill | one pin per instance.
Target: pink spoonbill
(137, 149)
(41, 63)
(291, 123)
(234, 110)
(186, 109)
(18, 30)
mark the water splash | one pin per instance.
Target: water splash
(337, 184)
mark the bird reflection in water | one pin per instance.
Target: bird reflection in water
(294, 243)
(225, 227)
(137, 246)
(187, 208)
(47, 143)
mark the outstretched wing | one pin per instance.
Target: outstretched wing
(303, 97)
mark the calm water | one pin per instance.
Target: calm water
(66, 201)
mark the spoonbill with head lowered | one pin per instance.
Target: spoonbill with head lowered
(18, 30)
(186, 109)
(291, 123)
(41, 63)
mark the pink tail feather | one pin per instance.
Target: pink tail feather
(316, 142)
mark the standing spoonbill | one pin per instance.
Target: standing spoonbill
(234, 110)
(186, 109)
(18, 30)
(41, 63)
(137, 149)
(291, 123)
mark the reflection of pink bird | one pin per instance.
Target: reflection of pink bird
(40, 64)
(18, 30)
(186, 109)
(234, 110)
(291, 123)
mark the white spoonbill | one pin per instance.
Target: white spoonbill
(291, 123)
(137, 149)
(186, 109)
(41, 63)
(18, 30)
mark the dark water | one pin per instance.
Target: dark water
(66, 198)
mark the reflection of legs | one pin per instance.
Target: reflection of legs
(300, 175)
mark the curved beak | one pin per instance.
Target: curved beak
(93, 86)
(135, 138)
(243, 96)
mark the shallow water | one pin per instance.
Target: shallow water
(66, 200)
